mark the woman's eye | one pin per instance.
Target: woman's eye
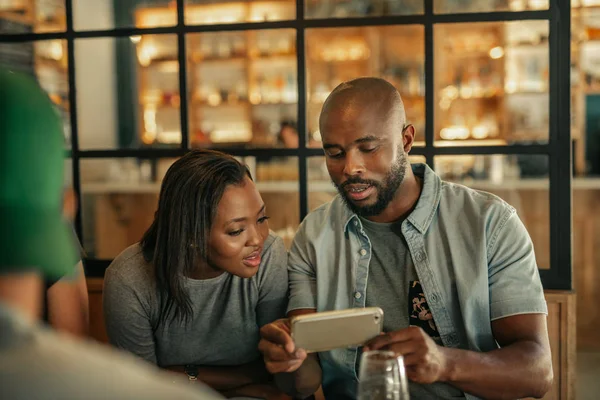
(235, 233)
(263, 219)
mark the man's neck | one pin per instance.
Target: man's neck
(405, 200)
(22, 292)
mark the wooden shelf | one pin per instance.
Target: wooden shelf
(274, 57)
(12, 15)
(241, 103)
(217, 60)
(526, 92)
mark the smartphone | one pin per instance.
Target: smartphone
(330, 330)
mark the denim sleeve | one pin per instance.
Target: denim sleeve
(301, 273)
(514, 280)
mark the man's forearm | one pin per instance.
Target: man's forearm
(224, 378)
(519, 370)
(303, 382)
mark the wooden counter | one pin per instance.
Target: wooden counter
(122, 212)
(561, 328)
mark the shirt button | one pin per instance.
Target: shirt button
(363, 252)
(434, 298)
(355, 223)
(357, 295)
(420, 256)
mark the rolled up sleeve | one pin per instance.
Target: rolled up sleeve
(514, 280)
(301, 273)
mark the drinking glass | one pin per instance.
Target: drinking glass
(382, 377)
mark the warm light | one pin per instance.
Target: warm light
(148, 138)
(445, 104)
(223, 135)
(135, 39)
(255, 98)
(170, 67)
(454, 132)
(510, 86)
(216, 14)
(150, 122)
(517, 5)
(538, 4)
(56, 50)
(146, 53)
(450, 92)
(497, 52)
(466, 92)
(214, 99)
(480, 132)
(170, 137)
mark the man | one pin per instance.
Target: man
(453, 268)
(66, 302)
(36, 243)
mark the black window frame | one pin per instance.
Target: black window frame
(558, 147)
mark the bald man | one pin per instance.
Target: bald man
(452, 268)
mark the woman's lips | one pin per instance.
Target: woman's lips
(253, 260)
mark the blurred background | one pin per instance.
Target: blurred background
(139, 82)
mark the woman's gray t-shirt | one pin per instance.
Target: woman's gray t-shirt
(227, 311)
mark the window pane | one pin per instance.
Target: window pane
(128, 92)
(521, 180)
(211, 12)
(25, 16)
(394, 53)
(320, 188)
(120, 196)
(491, 83)
(47, 61)
(97, 15)
(118, 199)
(243, 88)
(466, 6)
(277, 182)
(361, 8)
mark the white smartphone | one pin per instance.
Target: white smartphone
(330, 330)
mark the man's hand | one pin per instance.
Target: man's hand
(424, 360)
(278, 348)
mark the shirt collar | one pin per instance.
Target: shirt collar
(427, 204)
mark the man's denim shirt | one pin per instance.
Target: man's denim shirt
(473, 256)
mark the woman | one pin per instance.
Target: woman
(192, 295)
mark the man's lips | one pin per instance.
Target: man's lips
(359, 191)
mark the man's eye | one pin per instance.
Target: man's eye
(369, 149)
(335, 155)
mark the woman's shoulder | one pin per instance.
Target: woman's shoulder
(273, 246)
(131, 267)
(274, 258)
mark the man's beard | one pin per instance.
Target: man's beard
(386, 190)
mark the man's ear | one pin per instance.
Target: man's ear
(408, 137)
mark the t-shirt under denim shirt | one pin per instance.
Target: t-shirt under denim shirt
(473, 257)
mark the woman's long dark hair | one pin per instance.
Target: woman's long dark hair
(178, 237)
